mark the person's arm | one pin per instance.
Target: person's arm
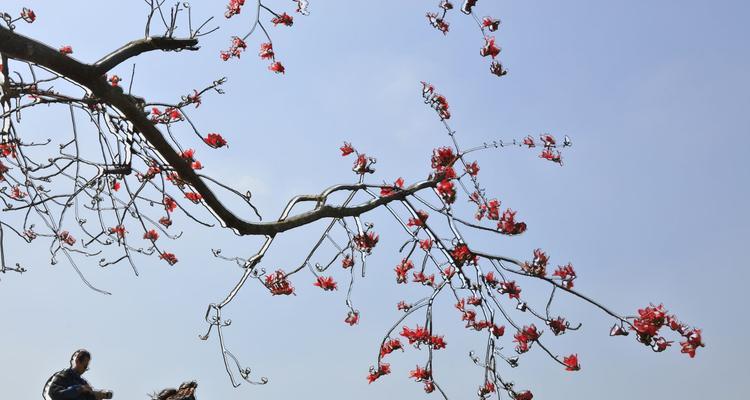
(57, 389)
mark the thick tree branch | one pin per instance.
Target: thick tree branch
(140, 46)
(25, 49)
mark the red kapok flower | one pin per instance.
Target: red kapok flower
(352, 318)
(511, 289)
(278, 283)
(426, 244)
(66, 50)
(28, 15)
(170, 258)
(389, 346)
(508, 225)
(347, 262)
(277, 67)
(383, 369)
(529, 141)
(490, 23)
(571, 363)
(419, 220)
(567, 274)
(283, 19)
(447, 191)
(165, 221)
(151, 234)
(421, 374)
(119, 230)
(525, 395)
(194, 197)
(215, 140)
(326, 283)
(489, 48)
(557, 326)
(366, 242)
(346, 149)
(114, 80)
(402, 269)
(472, 169)
(234, 8)
(67, 238)
(169, 204)
(266, 51)
(692, 342)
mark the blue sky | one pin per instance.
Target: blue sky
(651, 205)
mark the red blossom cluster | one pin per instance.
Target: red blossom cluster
(366, 241)
(567, 274)
(461, 255)
(278, 283)
(66, 238)
(114, 80)
(151, 234)
(490, 23)
(325, 283)
(524, 338)
(511, 289)
(508, 225)
(558, 326)
(489, 48)
(390, 346)
(435, 100)
(538, 266)
(383, 369)
(8, 149)
(170, 114)
(234, 7)
(347, 262)
(28, 15)
(402, 269)
(215, 140)
(66, 50)
(420, 335)
(283, 19)
(652, 319)
(352, 318)
(438, 22)
(420, 220)
(389, 190)
(170, 258)
(118, 230)
(235, 49)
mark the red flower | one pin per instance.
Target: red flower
(429, 387)
(420, 220)
(169, 204)
(165, 221)
(498, 330)
(66, 50)
(547, 154)
(525, 395)
(466, 8)
(538, 267)
(446, 5)
(497, 69)
(234, 8)
(511, 289)
(277, 67)
(366, 242)
(548, 140)
(169, 258)
(489, 48)
(419, 335)
(188, 155)
(283, 19)
(402, 306)
(326, 283)
(438, 23)
(524, 336)
(16, 193)
(490, 279)
(347, 261)
(114, 80)
(488, 388)
(362, 165)
(346, 149)
(402, 269)
(490, 23)
(557, 326)
(447, 191)
(215, 140)
(118, 230)
(571, 363)
(420, 277)
(389, 190)
(196, 165)
(389, 346)
(194, 197)
(7, 149)
(508, 225)
(437, 101)
(383, 369)
(195, 98)
(28, 15)
(529, 141)
(567, 274)
(352, 318)
(278, 284)
(472, 169)
(67, 238)
(421, 374)
(437, 342)
(650, 320)
(151, 235)
(266, 51)
(461, 254)
(426, 244)
(493, 209)
(115, 186)
(692, 342)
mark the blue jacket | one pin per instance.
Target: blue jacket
(66, 385)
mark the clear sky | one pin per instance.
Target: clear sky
(651, 205)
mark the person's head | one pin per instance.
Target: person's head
(79, 361)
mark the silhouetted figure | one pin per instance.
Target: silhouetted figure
(68, 384)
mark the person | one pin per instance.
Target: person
(68, 384)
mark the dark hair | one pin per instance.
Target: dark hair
(80, 355)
